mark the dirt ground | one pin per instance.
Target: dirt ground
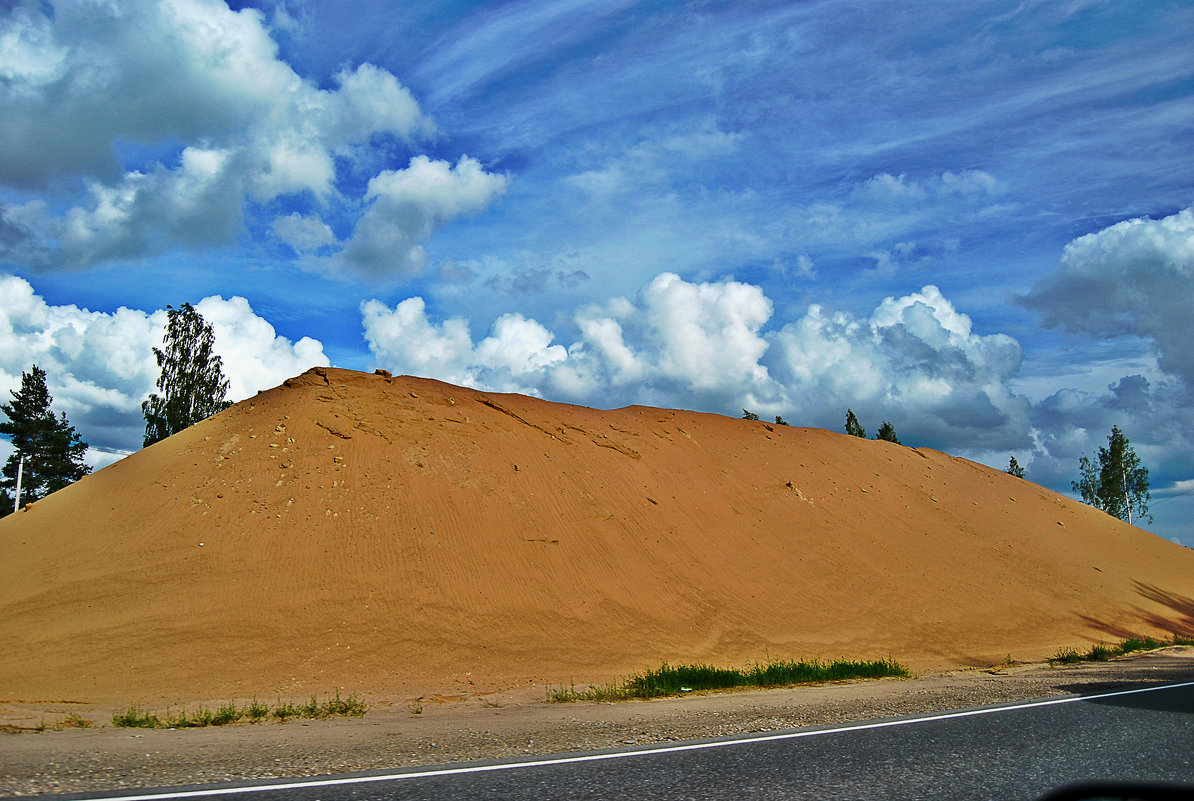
(508, 724)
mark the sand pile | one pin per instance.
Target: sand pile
(402, 536)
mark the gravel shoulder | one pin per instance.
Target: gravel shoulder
(516, 723)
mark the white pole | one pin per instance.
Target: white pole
(16, 502)
(1127, 494)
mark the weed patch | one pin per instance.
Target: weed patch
(1067, 656)
(352, 706)
(1101, 652)
(254, 712)
(136, 718)
(678, 679)
(75, 721)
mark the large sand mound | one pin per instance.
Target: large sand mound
(399, 535)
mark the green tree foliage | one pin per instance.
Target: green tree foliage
(779, 421)
(853, 427)
(887, 432)
(1118, 484)
(749, 415)
(1014, 469)
(1087, 484)
(192, 380)
(52, 449)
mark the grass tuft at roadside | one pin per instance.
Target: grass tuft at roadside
(255, 712)
(1101, 652)
(679, 679)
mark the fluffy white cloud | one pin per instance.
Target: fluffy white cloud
(29, 59)
(679, 341)
(372, 100)
(404, 339)
(706, 335)
(516, 356)
(254, 356)
(519, 346)
(99, 366)
(198, 203)
(144, 72)
(1134, 278)
(304, 234)
(405, 207)
(1131, 279)
(225, 123)
(916, 360)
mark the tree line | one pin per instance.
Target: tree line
(886, 431)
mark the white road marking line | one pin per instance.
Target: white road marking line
(538, 763)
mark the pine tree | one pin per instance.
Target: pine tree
(1119, 485)
(52, 449)
(1014, 469)
(192, 380)
(749, 415)
(853, 427)
(887, 432)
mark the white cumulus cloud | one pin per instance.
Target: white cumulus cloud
(1133, 278)
(100, 366)
(304, 234)
(516, 356)
(405, 207)
(916, 360)
(226, 126)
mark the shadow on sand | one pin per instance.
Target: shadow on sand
(1178, 620)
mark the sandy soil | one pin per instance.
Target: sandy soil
(520, 723)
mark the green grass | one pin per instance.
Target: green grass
(1067, 656)
(675, 680)
(350, 707)
(136, 718)
(285, 710)
(227, 714)
(1101, 652)
(255, 712)
(1140, 644)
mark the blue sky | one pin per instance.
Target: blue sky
(971, 219)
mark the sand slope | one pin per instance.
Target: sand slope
(400, 535)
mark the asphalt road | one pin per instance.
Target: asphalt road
(1007, 752)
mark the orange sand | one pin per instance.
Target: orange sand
(399, 535)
